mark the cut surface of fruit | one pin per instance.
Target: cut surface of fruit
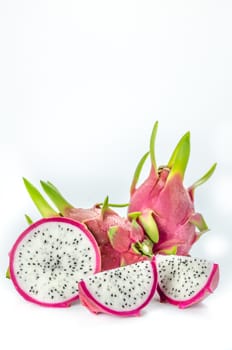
(122, 291)
(49, 259)
(184, 281)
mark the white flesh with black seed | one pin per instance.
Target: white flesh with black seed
(181, 277)
(124, 288)
(51, 260)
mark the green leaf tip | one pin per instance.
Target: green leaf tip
(169, 251)
(105, 205)
(149, 224)
(174, 153)
(134, 215)
(28, 219)
(40, 202)
(144, 248)
(204, 178)
(152, 146)
(111, 234)
(113, 205)
(8, 273)
(135, 248)
(56, 197)
(118, 205)
(138, 172)
(53, 186)
(180, 156)
(198, 221)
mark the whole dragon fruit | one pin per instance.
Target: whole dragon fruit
(163, 206)
(116, 236)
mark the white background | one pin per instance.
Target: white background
(81, 85)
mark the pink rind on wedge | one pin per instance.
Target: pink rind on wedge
(88, 300)
(27, 297)
(207, 289)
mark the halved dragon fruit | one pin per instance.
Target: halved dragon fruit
(49, 259)
(123, 291)
(162, 204)
(184, 280)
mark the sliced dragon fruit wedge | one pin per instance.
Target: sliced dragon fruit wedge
(184, 280)
(123, 291)
(49, 259)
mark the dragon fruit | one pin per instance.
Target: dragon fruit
(163, 206)
(185, 281)
(115, 235)
(123, 291)
(49, 259)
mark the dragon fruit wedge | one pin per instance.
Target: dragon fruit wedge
(123, 291)
(185, 281)
(115, 235)
(49, 259)
(163, 206)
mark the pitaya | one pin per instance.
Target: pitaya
(123, 291)
(184, 281)
(163, 206)
(116, 236)
(49, 259)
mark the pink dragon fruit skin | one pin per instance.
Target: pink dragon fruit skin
(163, 199)
(114, 250)
(99, 224)
(172, 210)
(110, 258)
(114, 234)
